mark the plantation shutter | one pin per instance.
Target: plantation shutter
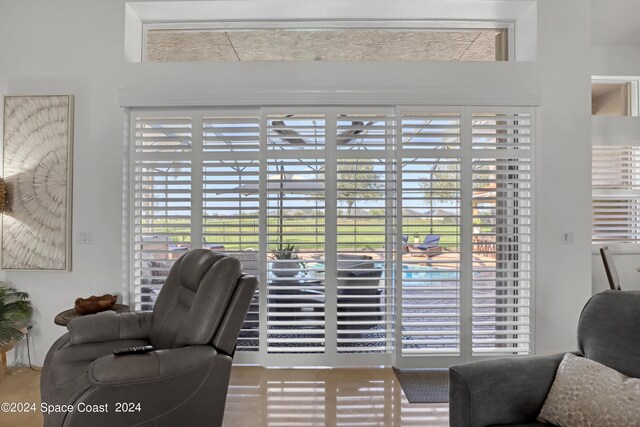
(295, 198)
(616, 193)
(372, 230)
(160, 199)
(431, 220)
(162, 134)
(231, 200)
(365, 224)
(502, 232)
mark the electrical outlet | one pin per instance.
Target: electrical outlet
(567, 237)
(84, 237)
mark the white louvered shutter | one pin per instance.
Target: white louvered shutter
(616, 194)
(431, 219)
(162, 134)
(431, 130)
(429, 205)
(502, 232)
(295, 189)
(160, 198)
(231, 202)
(365, 224)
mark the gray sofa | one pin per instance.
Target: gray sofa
(511, 392)
(184, 381)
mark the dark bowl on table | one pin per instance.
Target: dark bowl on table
(95, 304)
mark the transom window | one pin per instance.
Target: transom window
(615, 96)
(400, 234)
(327, 41)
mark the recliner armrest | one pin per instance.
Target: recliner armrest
(110, 326)
(158, 364)
(500, 391)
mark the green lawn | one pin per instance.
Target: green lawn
(305, 233)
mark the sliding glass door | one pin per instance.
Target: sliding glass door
(380, 235)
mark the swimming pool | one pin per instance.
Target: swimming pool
(410, 272)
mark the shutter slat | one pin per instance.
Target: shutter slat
(233, 133)
(162, 134)
(431, 131)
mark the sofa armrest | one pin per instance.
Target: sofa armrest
(500, 391)
(154, 365)
(109, 326)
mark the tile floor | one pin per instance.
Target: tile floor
(261, 397)
(324, 397)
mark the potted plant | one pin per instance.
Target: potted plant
(284, 264)
(15, 312)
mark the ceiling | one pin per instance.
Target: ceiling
(615, 22)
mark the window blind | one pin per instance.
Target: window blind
(431, 256)
(365, 229)
(230, 225)
(295, 233)
(616, 194)
(502, 233)
(231, 200)
(224, 133)
(162, 134)
(431, 130)
(430, 232)
(410, 227)
(161, 224)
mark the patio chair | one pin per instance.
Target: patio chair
(430, 247)
(430, 241)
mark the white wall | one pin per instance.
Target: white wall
(616, 61)
(564, 159)
(73, 46)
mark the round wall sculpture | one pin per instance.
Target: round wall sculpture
(38, 141)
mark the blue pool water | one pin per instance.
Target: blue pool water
(428, 273)
(410, 271)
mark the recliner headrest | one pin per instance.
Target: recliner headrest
(194, 299)
(194, 265)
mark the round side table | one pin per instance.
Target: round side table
(66, 316)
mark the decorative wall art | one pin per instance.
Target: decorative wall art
(38, 159)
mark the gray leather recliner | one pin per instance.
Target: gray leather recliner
(511, 392)
(193, 329)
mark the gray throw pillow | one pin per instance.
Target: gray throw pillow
(586, 393)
